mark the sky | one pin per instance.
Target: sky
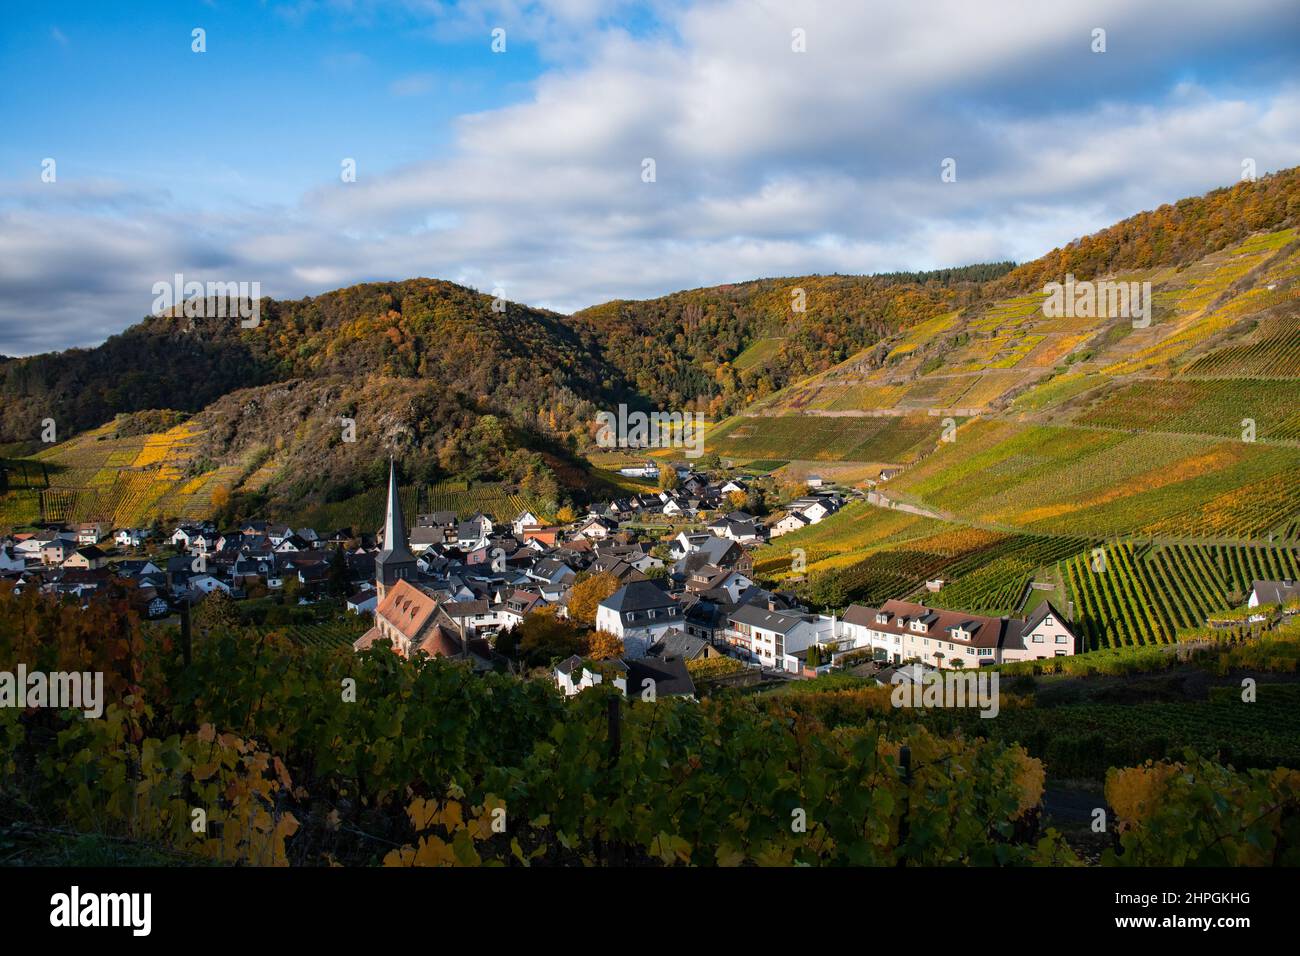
(786, 138)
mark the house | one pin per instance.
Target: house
(1273, 592)
(901, 631)
(649, 678)
(574, 675)
(546, 537)
(728, 581)
(677, 643)
(86, 559)
(737, 526)
(639, 613)
(594, 527)
(472, 618)
(136, 570)
(131, 537)
(364, 601)
(205, 584)
(10, 559)
(89, 532)
(54, 552)
(157, 607)
(790, 521)
(525, 519)
(814, 481)
(519, 605)
(773, 636)
(1045, 634)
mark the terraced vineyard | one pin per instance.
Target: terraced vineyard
(826, 438)
(1273, 350)
(1202, 406)
(365, 512)
(993, 581)
(1144, 594)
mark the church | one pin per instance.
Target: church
(408, 615)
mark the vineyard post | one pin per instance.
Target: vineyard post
(614, 854)
(905, 765)
(186, 640)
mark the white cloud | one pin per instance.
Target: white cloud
(769, 162)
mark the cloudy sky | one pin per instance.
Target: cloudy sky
(525, 169)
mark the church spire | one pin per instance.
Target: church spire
(396, 560)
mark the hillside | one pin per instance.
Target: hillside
(1082, 427)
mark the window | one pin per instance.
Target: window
(1038, 638)
(1048, 620)
(1061, 639)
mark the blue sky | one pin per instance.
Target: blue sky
(523, 169)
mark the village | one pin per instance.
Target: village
(664, 613)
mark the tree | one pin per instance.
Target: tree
(506, 643)
(339, 581)
(566, 515)
(543, 636)
(587, 594)
(737, 499)
(667, 477)
(217, 611)
(604, 646)
(220, 497)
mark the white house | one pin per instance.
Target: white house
(131, 537)
(774, 636)
(901, 631)
(573, 675)
(791, 521)
(525, 519)
(363, 602)
(206, 584)
(639, 613)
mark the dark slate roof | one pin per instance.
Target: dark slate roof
(782, 622)
(1275, 592)
(677, 643)
(638, 596)
(670, 676)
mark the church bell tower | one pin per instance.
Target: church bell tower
(395, 562)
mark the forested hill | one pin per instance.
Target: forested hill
(521, 361)
(716, 349)
(1174, 234)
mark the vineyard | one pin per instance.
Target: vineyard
(1202, 406)
(324, 634)
(365, 511)
(988, 570)
(825, 438)
(1144, 594)
(1273, 351)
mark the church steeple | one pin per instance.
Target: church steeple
(396, 560)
